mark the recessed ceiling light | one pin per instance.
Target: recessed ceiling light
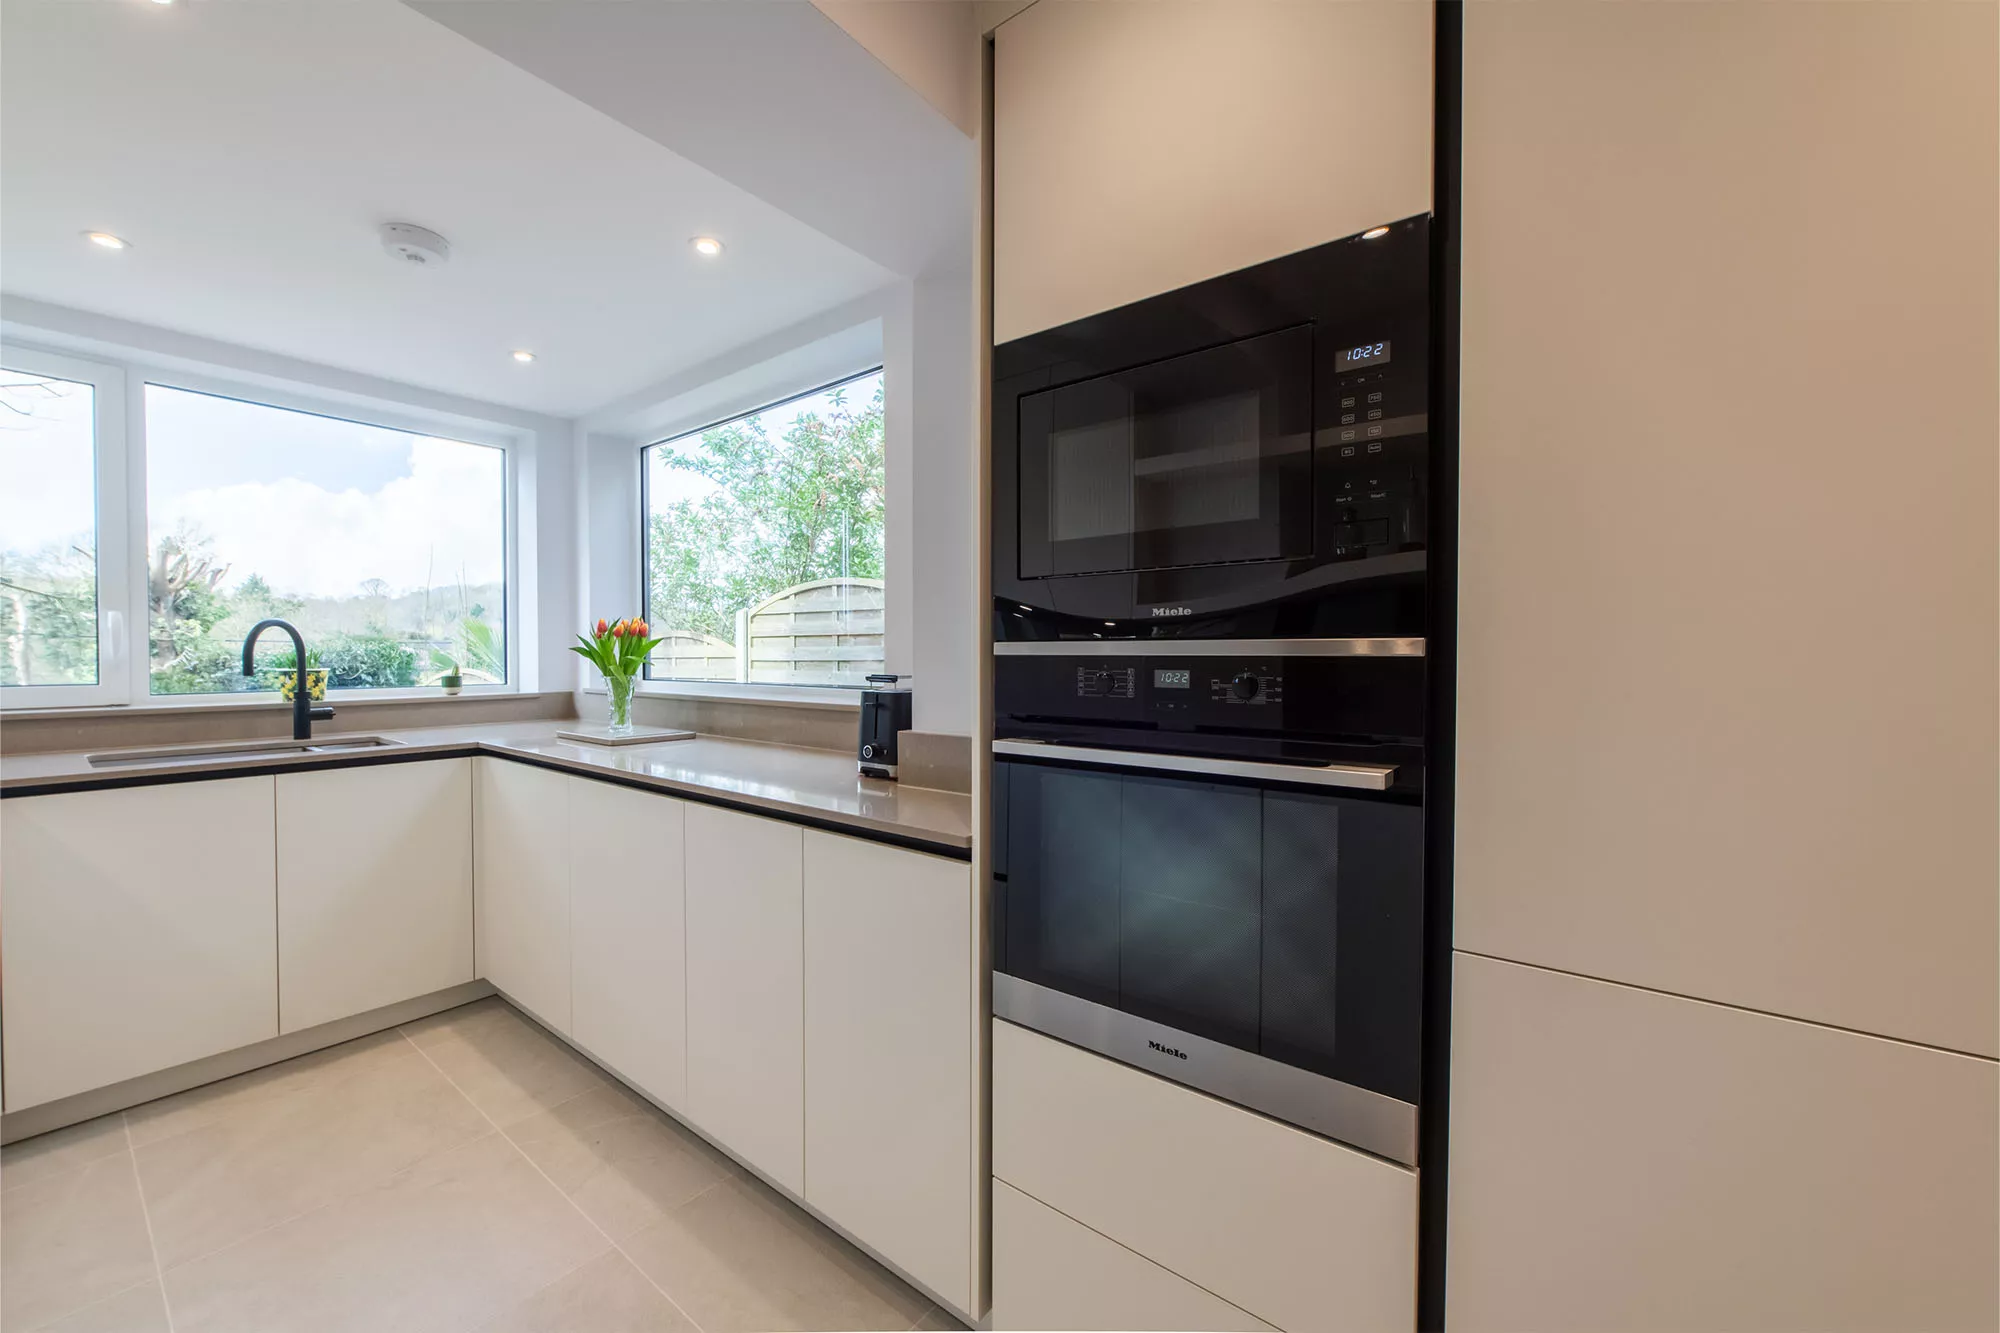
(524, 356)
(1374, 233)
(107, 240)
(706, 245)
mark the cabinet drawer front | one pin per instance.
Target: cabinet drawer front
(1300, 1231)
(374, 887)
(745, 988)
(891, 1025)
(628, 942)
(1052, 1272)
(120, 956)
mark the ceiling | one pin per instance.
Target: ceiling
(249, 151)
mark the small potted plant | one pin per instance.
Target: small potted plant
(452, 679)
(619, 653)
(288, 677)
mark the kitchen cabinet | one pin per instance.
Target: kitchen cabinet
(1111, 182)
(1300, 1231)
(1726, 716)
(745, 988)
(1626, 1159)
(136, 932)
(1053, 1272)
(374, 887)
(628, 948)
(521, 886)
(891, 1004)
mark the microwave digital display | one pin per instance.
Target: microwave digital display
(1367, 354)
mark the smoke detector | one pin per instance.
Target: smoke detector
(415, 245)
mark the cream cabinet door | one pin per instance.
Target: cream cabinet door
(892, 1018)
(374, 887)
(1053, 1272)
(137, 932)
(628, 941)
(745, 979)
(521, 886)
(1623, 1159)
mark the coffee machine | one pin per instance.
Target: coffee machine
(885, 710)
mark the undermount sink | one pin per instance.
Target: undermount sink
(234, 750)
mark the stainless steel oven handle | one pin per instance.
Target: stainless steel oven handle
(1366, 777)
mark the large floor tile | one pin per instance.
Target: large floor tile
(298, 1079)
(741, 1259)
(623, 1162)
(504, 1062)
(71, 1240)
(937, 1320)
(139, 1309)
(61, 1150)
(447, 1244)
(606, 1295)
(262, 1160)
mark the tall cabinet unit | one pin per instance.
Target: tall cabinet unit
(1709, 359)
(124, 955)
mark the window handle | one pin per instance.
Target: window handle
(114, 636)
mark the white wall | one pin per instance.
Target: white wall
(539, 446)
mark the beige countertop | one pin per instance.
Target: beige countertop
(818, 787)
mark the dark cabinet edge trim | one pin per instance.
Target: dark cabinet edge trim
(824, 823)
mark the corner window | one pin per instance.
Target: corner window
(764, 543)
(386, 548)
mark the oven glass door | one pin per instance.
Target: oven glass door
(1277, 920)
(1199, 459)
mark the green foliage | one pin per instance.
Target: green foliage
(479, 648)
(48, 616)
(368, 662)
(807, 506)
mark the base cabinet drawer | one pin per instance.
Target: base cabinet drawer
(1298, 1230)
(1053, 1272)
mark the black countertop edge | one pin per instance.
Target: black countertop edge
(825, 823)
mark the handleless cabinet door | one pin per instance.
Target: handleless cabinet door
(138, 931)
(374, 887)
(745, 988)
(521, 882)
(1623, 1159)
(628, 941)
(892, 1016)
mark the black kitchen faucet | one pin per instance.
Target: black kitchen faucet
(303, 712)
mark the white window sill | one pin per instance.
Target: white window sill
(783, 696)
(261, 699)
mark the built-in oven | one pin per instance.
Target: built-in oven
(1208, 863)
(1247, 456)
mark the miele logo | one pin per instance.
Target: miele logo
(1173, 610)
(1166, 1050)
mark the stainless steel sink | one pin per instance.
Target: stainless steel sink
(237, 751)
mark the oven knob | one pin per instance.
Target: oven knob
(1244, 686)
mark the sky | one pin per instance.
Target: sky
(315, 505)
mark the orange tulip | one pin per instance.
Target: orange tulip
(639, 629)
(601, 627)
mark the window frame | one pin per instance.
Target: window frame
(110, 412)
(782, 692)
(123, 545)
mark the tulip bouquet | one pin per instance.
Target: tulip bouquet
(618, 651)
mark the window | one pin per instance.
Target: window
(60, 517)
(386, 548)
(764, 542)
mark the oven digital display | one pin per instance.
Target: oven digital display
(1367, 354)
(1164, 679)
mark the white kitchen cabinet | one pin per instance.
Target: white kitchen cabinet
(1623, 1159)
(628, 946)
(374, 887)
(1112, 182)
(745, 988)
(1053, 1272)
(137, 931)
(891, 1008)
(1300, 1231)
(521, 886)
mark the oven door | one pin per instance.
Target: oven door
(1202, 459)
(1253, 931)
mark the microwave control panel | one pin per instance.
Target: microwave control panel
(1372, 502)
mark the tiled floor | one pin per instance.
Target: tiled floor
(466, 1172)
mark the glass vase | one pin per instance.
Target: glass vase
(620, 689)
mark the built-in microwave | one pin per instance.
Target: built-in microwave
(1244, 457)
